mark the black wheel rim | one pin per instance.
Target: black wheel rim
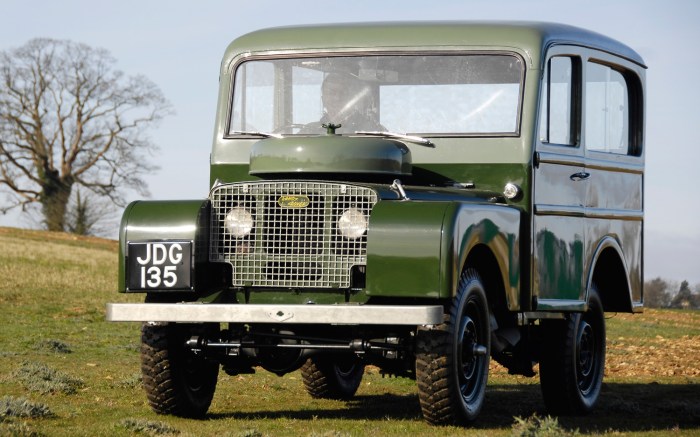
(194, 371)
(345, 369)
(587, 356)
(470, 365)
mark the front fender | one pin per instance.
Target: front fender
(162, 221)
(418, 249)
(404, 244)
(495, 227)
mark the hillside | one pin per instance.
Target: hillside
(73, 373)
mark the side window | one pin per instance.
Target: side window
(560, 102)
(609, 116)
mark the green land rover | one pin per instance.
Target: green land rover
(420, 197)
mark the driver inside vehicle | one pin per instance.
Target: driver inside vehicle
(347, 101)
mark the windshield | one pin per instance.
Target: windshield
(431, 95)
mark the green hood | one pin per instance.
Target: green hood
(330, 154)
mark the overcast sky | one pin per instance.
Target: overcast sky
(178, 45)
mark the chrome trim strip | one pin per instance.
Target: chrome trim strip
(561, 305)
(270, 313)
(560, 158)
(614, 214)
(563, 210)
(594, 213)
(616, 166)
(536, 315)
(589, 162)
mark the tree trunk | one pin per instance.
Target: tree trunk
(55, 195)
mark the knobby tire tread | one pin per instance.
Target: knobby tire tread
(161, 380)
(439, 401)
(321, 382)
(558, 376)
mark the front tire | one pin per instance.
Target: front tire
(452, 359)
(573, 359)
(332, 376)
(176, 381)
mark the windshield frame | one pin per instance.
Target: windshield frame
(284, 55)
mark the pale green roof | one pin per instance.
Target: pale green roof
(532, 38)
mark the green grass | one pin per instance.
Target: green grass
(53, 293)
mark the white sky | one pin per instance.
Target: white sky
(178, 44)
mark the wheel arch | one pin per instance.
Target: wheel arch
(487, 238)
(482, 259)
(610, 275)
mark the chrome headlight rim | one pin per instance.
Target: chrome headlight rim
(352, 224)
(239, 222)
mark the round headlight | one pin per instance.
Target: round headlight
(352, 224)
(238, 222)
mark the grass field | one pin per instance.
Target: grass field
(65, 371)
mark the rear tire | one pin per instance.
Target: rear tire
(176, 381)
(332, 376)
(452, 359)
(573, 359)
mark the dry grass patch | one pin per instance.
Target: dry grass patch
(148, 427)
(24, 408)
(43, 379)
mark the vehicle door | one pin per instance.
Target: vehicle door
(560, 176)
(613, 139)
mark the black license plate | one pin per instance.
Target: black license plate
(160, 265)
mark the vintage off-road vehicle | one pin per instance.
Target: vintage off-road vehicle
(421, 197)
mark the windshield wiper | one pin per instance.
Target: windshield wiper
(257, 134)
(410, 138)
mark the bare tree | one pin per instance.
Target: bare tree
(68, 117)
(89, 215)
(656, 293)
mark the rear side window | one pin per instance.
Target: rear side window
(612, 111)
(560, 102)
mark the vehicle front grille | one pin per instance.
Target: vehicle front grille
(292, 244)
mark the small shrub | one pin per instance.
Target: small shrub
(18, 430)
(329, 434)
(21, 407)
(134, 347)
(535, 426)
(142, 426)
(55, 346)
(132, 381)
(40, 378)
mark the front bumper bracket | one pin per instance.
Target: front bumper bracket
(276, 314)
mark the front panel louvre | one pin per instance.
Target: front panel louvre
(294, 241)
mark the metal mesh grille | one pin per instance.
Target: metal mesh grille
(295, 241)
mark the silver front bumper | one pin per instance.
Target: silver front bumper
(242, 313)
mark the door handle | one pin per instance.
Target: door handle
(580, 176)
